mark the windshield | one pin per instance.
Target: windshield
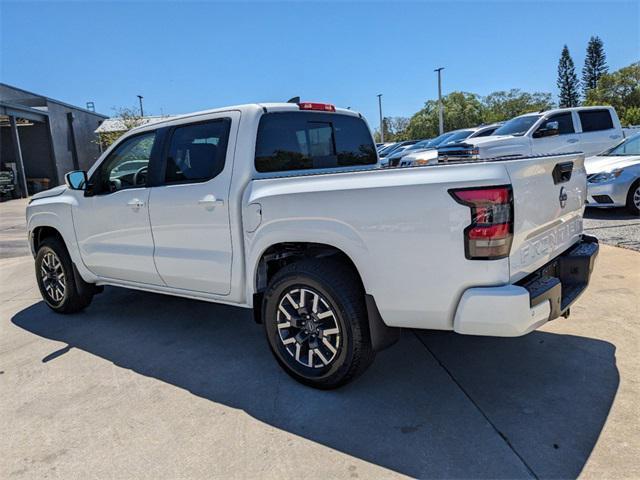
(631, 146)
(389, 150)
(456, 136)
(517, 126)
(421, 144)
(440, 139)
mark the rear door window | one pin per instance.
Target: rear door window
(308, 140)
(595, 120)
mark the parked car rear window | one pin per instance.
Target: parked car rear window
(197, 151)
(309, 140)
(594, 120)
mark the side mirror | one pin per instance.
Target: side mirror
(549, 129)
(76, 180)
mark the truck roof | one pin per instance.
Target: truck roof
(567, 109)
(266, 107)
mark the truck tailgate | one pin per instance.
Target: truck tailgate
(549, 195)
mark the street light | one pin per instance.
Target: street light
(140, 97)
(381, 122)
(440, 107)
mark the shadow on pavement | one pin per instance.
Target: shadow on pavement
(548, 394)
(618, 213)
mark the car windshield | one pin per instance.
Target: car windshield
(631, 146)
(440, 139)
(517, 126)
(419, 145)
(390, 149)
(457, 136)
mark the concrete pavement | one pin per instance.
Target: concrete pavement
(147, 386)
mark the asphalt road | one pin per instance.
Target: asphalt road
(148, 386)
(613, 226)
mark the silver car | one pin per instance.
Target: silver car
(614, 176)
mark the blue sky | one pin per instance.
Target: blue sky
(186, 56)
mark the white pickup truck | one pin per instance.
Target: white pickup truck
(282, 208)
(589, 130)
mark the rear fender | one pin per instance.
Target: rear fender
(329, 232)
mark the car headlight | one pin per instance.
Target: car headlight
(606, 176)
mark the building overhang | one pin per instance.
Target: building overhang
(21, 111)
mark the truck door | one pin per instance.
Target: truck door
(598, 131)
(189, 210)
(565, 141)
(112, 222)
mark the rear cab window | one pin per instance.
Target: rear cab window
(289, 141)
(595, 120)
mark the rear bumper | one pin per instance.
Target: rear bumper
(514, 310)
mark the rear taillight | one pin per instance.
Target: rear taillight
(490, 234)
(325, 107)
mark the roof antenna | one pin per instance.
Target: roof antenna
(294, 100)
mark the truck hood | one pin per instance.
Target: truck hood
(488, 140)
(599, 164)
(500, 145)
(52, 192)
(427, 154)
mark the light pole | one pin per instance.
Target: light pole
(381, 121)
(440, 107)
(140, 97)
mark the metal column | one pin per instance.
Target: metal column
(15, 137)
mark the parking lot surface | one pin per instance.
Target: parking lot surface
(613, 226)
(147, 386)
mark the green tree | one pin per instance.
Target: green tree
(595, 65)
(620, 89)
(503, 105)
(128, 118)
(567, 81)
(461, 110)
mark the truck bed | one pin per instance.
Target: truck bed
(404, 232)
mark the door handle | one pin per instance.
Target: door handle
(613, 137)
(210, 201)
(136, 203)
(572, 140)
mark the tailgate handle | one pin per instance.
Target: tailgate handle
(562, 172)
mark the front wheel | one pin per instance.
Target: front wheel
(633, 199)
(316, 323)
(60, 286)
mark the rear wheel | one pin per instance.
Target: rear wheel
(60, 285)
(316, 323)
(633, 199)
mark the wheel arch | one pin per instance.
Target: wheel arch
(278, 255)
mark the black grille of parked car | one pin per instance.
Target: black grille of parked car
(457, 151)
(602, 198)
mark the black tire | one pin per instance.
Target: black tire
(74, 294)
(634, 191)
(339, 291)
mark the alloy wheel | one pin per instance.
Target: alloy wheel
(308, 327)
(636, 197)
(53, 277)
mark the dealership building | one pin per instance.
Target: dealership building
(41, 139)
